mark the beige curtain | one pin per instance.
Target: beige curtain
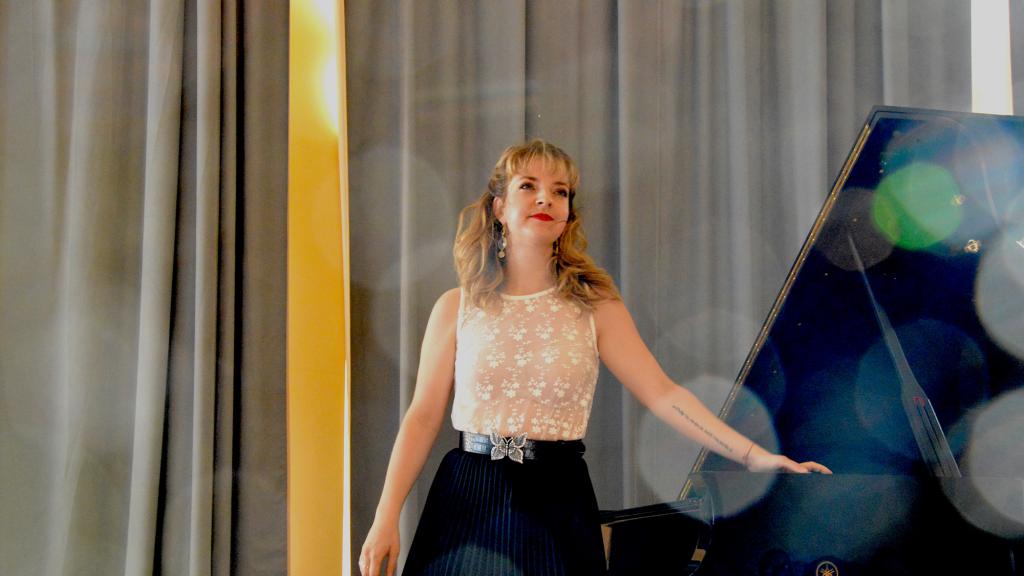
(708, 133)
(142, 281)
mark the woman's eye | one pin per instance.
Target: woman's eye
(525, 186)
(563, 192)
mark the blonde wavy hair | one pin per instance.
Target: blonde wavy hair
(481, 273)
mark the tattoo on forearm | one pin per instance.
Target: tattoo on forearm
(697, 425)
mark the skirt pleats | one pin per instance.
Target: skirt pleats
(488, 517)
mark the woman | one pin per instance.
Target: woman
(520, 340)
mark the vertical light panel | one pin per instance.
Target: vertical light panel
(318, 352)
(991, 81)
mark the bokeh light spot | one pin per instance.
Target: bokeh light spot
(993, 499)
(915, 206)
(851, 220)
(663, 455)
(999, 290)
(478, 556)
(863, 513)
(949, 366)
(735, 491)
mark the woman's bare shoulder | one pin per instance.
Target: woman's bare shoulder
(447, 306)
(450, 297)
(607, 305)
(609, 314)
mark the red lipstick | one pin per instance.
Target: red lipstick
(542, 216)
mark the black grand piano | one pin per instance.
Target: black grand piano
(894, 354)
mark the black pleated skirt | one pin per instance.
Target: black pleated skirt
(488, 517)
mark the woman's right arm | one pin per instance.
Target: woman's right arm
(416, 435)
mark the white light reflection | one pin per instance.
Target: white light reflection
(999, 292)
(664, 457)
(986, 164)
(329, 92)
(995, 465)
(995, 442)
(322, 31)
(734, 491)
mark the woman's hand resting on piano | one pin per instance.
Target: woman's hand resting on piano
(761, 460)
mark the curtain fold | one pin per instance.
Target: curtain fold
(142, 287)
(707, 133)
(226, 362)
(160, 198)
(261, 194)
(208, 223)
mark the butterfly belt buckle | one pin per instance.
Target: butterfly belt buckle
(511, 446)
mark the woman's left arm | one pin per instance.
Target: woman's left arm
(625, 354)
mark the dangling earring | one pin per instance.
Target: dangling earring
(502, 243)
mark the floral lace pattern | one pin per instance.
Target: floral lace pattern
(530, 368)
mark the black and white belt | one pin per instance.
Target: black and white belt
(518, 447)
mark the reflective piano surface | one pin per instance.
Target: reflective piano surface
(894, 354)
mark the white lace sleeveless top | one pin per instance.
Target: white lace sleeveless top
(531, 368)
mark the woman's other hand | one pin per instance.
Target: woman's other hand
(381, 546)
(760, 460)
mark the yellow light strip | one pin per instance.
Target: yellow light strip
(318, 351)
(341, 112)
(991, 79)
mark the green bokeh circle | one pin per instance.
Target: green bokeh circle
(916, 206)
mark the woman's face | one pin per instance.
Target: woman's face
(536, 205)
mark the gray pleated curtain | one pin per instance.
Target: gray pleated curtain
(708, 133)
(143, 163)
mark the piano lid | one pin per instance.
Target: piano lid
(908, 290)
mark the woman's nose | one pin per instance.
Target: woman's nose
(543, 197)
